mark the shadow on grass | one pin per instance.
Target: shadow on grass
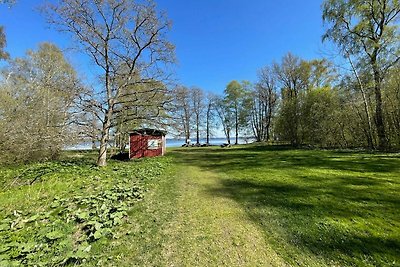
(284, 157)
(340, 206)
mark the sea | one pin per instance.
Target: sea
(172, 142)
(213, 141)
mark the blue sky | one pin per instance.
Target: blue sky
(216, 40)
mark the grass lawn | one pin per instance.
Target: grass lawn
(244, 206)
(298, 207)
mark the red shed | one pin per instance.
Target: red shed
(146, 143)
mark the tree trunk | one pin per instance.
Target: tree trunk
(105, 132)
(102, 159)
(208, 128)
(366, 107)
(237, 127)
(380, 125)
(197, 131)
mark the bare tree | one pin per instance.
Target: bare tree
(210, 115)
(198, 110)
(126, 40)
(182, 111)
(263, 102)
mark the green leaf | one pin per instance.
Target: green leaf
(4, 248)
(83, 215)
(85, 247)
(98, 225)
(33, 218)
(55, 204)
(54, 235)
(28, 247)
(117, 221)
(4, 227)
(98, 234)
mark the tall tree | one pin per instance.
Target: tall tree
(222, 108)
(182, 111)
(210, 103)
(198, 110)
(38, 95)
(392, 100)
(234, 95)
(263, 102)
(7, 2)
(127, 42)
(369, 30)
(3, 54)
(293, 77)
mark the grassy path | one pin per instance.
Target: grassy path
(211, 229)
(273, 206)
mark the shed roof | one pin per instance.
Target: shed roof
(148, 131)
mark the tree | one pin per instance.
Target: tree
(182, 111)
(126, 40)
(226, 117)
(293, 77)
(198, 110)
(7, 2)
(3, 54)
(140, 105)
(210, 103)
(367, 30)
(392, 104)
(262, 104)
(361, 86)
(234, 95)
(38, 95)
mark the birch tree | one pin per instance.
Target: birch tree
(37, 108)
(3, 53)
(198, 110)
(368, 30)
(233, 98)
(222, 108)
(263, 102)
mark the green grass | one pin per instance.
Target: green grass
(250, 205)
(48, 210)
(313, 208)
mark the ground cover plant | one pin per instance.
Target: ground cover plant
(53, 213)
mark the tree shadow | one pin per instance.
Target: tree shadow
(340, 206)
(280, 157)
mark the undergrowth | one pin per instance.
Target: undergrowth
(59, 227)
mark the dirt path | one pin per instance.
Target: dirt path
(211, 229)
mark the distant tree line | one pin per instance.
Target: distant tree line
(314, 102)
(297, 102)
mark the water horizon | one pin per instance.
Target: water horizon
(171, 142)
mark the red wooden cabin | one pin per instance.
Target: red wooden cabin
(146, 143)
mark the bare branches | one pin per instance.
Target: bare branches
(126, 40)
